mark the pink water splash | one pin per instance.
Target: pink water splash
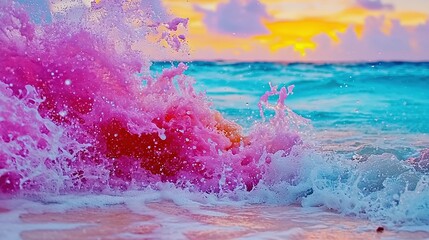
(175, 40)
(35, 153)
(170, 32)
(75, 116)
(280, 106)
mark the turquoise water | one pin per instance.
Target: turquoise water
(392, 97)
(387, 101)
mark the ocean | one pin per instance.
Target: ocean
(98, 142)
(369, 108)
(385, 96)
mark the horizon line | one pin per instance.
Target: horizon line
(298, 62)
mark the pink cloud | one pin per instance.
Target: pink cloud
(258, 53)
(421, 39)
(374, 4)
(402, 44)
(239, 17)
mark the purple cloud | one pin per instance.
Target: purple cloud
(374, 5)
(402, 43)
(239, 17)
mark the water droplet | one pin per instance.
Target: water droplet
(162, 136)
(63, 113)
(67, 82)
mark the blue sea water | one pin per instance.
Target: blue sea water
(384, 106)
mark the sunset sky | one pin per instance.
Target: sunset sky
(305, 30)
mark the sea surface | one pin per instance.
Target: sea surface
(375, 106)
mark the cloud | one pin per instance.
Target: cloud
(374, 5)
(258, 53)
(421, 38)
(239, 17)
(402, 44)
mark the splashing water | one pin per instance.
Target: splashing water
(96, 126)
(81, 113)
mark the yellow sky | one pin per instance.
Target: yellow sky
(291, 23)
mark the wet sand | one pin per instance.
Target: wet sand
(166, 220)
